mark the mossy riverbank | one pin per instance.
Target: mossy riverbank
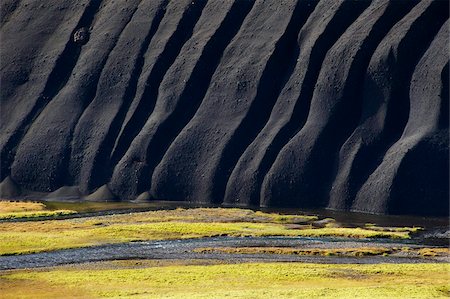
(47, 235)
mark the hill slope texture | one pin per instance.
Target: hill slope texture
(287, 103)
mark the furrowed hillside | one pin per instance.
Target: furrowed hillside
(288, 103)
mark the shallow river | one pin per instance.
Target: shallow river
(183, 249)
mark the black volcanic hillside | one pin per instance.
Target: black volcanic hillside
(340, 104)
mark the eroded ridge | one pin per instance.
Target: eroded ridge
(252, 103)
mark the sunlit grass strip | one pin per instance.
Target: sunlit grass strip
(347, 232)
(35, 214)
(357, 251)
(361, 251)
(19, 210)
(434, 252)
(20, 206)
(91, 206)
(247, 280)
(393, 229)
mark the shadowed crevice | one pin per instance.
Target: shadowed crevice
(304, 178)
(147, 102)
(89, 94)
(369, 156)
(344, 17)
(278, 70)
(102, 166)
(348, 115)
(195, 89)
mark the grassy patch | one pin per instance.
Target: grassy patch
(393, 229)
(20, 206)
(38, 236)
(91, 206)
(37, 214)
(248, 280)
(434, 252)
(351, 233)
(354, 251)
(361, 251)
(15, 210)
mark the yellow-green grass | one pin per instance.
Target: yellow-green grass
(358, 251)
(246, 280)
(12, 210)
(20, 206)
(93, 206)
(434, 252)
(224, 215)
(414, 229)
(353, 251)
(38, 236)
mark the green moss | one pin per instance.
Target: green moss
(90, 206)
(294, 219)
(9, 206)
(18, 210)
(359, 251)
(434, 252)
(35, 214)
(393, 229)
(351, 233)
(248, 280)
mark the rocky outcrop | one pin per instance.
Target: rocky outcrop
(299, 103)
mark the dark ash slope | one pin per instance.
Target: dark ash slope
(339, 104)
